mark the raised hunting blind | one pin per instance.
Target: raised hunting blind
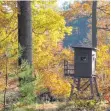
(84, 66)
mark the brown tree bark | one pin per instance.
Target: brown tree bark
(94, 23)
(25, 31)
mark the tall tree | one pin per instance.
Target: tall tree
(94, 22)
(25, 31)
(26, 80)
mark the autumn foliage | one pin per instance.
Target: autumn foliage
(49, 29)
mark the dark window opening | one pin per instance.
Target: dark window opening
(83, 59)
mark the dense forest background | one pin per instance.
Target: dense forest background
(54, 30)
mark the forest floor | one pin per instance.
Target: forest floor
(12, 93)
(62, 106)
(59, 106)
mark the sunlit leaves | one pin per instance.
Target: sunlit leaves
(57, 85)
(2, 84)
(49, 29)
(103, 59)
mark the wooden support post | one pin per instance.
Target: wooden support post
(78, 85)
(72, 89)
(91, 86)
(95, 83)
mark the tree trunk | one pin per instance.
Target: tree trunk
(25, 31)
(6, 82)
(94, 23)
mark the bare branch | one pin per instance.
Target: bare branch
(103, 10)
(103, 28)
(9, 34)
